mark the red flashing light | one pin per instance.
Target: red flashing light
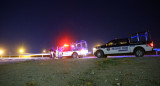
(66, 45)
(151, 44)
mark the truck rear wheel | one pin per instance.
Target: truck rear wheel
(139, 52)
(100, 54)
(80, 56)
(75, 55)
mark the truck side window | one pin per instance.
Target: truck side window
(112, 43)
(79, 45)
(84, 45)
(123, 42)
(134, 39)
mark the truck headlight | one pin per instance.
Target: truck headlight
(94, 49)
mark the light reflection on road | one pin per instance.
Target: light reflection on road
(122, 56)
(17, 59)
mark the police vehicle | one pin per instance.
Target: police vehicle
(75, 50)
(137, 44)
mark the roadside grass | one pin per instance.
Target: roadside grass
(43, 73)
(83, 72)
(30, 83)
(103, 63)
(121, 72)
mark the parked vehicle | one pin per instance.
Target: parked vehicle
(137, 44)
(75, 50)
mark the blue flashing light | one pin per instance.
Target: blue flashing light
(133, 37)
(146, 36)
(157, 49)
(138, 37)
(142, 35)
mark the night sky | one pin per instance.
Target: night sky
(37, 25)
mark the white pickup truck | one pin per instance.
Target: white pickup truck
(75, 50)
(136, 44)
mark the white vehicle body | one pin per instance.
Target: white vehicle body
(78, 49)
(126, 46)
(79, 52)
(123, 49)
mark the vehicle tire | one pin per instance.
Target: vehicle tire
(80, 56)
(75, 55)
(100, 54)
(106, 56)
(139, 52)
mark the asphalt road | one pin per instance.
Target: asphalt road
(17, 59)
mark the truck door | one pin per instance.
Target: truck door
(112, 47)
(67, 51)
(123, 45)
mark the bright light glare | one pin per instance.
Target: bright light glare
(72, 45)
(151, 44)
(98, 45)
(44, 51)
(21, 50)
(84, 52)
(25, 56)
(94, 48)
(1, 51)
(66, 45)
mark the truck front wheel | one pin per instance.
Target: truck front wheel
(139, 52)
(75, 55)
(100, 54)
(80, 56)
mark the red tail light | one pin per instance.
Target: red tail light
(151, 44)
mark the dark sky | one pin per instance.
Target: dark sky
(37, 24)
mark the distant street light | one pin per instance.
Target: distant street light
(44, 51)
(21, 51)
(1, 52)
